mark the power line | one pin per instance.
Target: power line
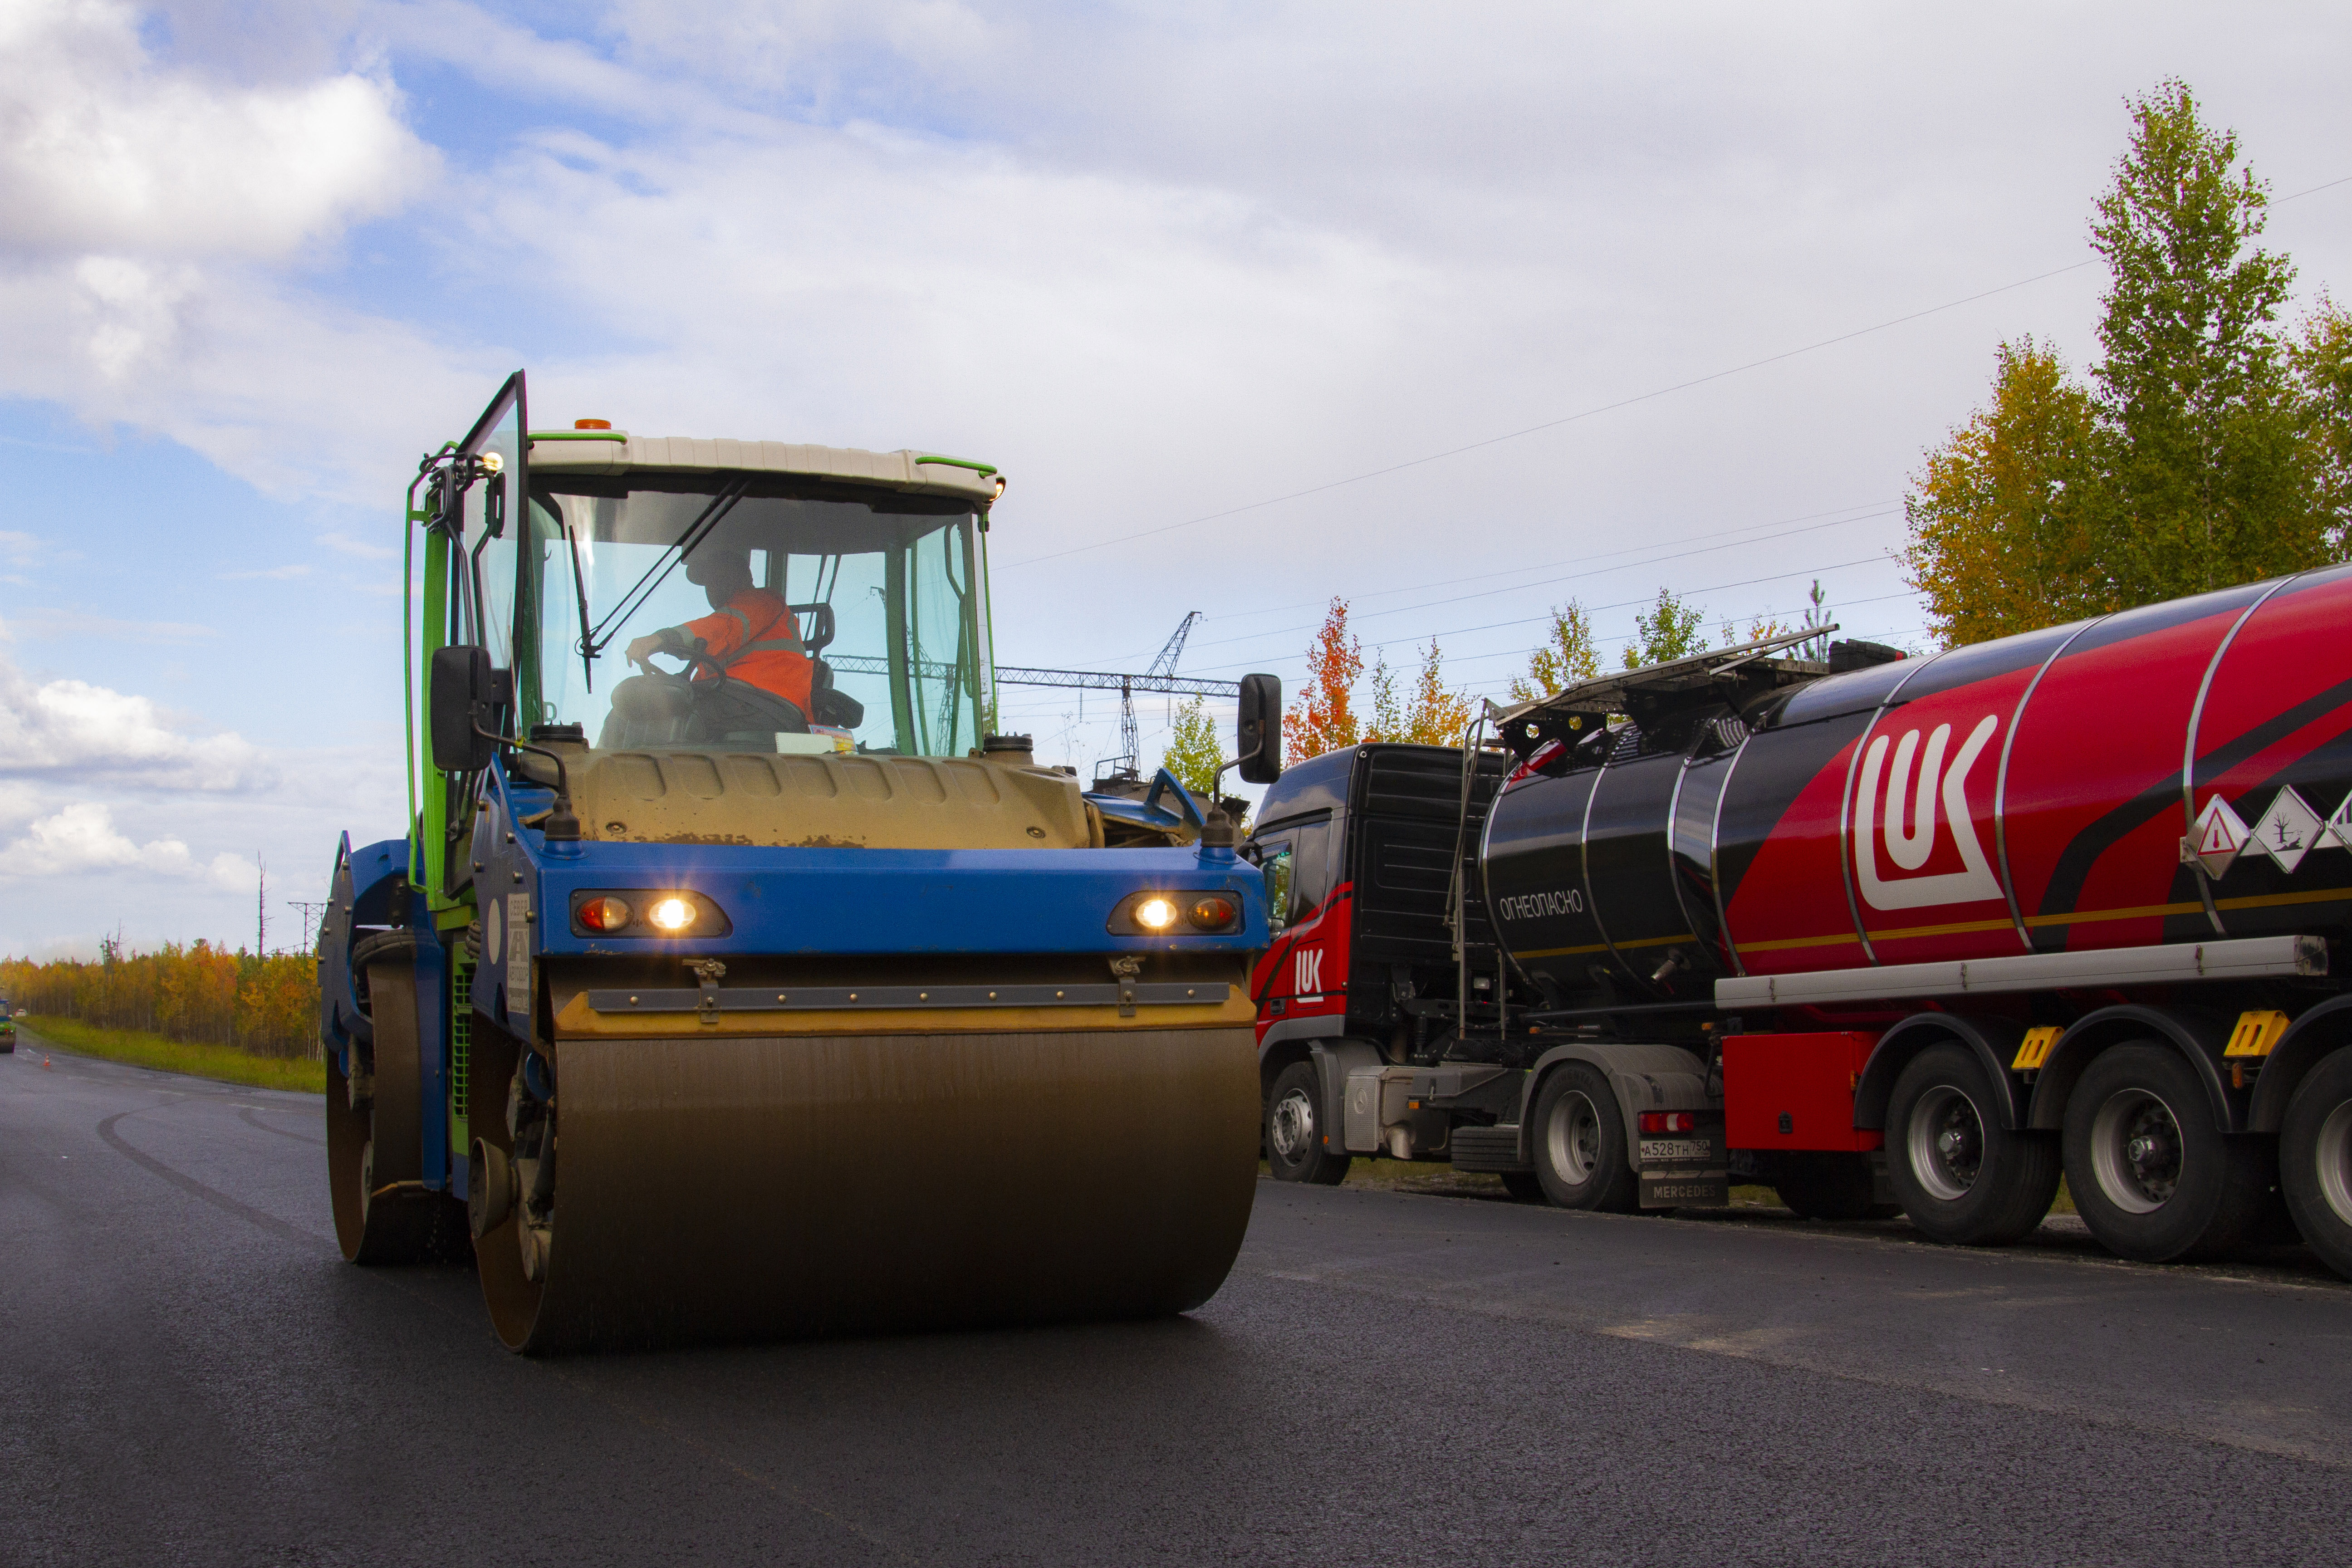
(1620, 605)
(1548, 582)
(1612, 407)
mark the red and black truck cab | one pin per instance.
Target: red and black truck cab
(1359, 845)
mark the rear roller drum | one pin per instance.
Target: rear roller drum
(382, 1213)
(1296, 1146)
(1962, 1177)
(1579, 1143)
(2316, 1161)
(2152, 1177)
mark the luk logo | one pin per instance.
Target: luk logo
(1906, 829)
(1306, 971)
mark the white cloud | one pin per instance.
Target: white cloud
(73, 730)
(82, 837)
(269, 573)
(106, 152)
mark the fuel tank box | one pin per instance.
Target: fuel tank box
(1794, 1092)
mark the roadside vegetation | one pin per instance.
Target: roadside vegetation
(139, 1047)
(192, 1008)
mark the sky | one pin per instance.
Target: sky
(1455, 312)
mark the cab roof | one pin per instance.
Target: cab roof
(617, 451)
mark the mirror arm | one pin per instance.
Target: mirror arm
(563, 825)
(1220, 830)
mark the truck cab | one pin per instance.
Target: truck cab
(1358, 847)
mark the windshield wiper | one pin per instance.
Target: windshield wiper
(596, 640)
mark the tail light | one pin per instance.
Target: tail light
(1669, 1122)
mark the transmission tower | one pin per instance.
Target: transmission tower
(1128, 764)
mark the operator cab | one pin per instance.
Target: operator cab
(862, 579)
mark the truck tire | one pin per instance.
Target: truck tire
(1294, 1149)
(1964, 1179)
(1523, 1186)
(2316, 1161)
(1579, 1143)
(2151, 1175)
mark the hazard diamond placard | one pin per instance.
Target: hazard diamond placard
(2220, 835)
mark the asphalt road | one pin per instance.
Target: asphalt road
(188, 1374)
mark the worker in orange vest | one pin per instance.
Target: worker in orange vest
(752, 638)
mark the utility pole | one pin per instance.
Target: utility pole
(261, 909)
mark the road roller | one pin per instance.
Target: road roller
(1887, 933)
(735, 978)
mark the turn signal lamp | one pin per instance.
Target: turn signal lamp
(1155, 914)
(592, 424)
(1213, 913)
(605, 914)
(671, 914)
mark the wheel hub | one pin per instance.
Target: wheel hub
(1574, 1139)
(1291, 1129)
(2136, 1150)
(1946, 1143)
(2335, 1155)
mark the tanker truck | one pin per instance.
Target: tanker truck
(707, 1007)
(1879, 932)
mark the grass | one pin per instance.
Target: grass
(140, 1048)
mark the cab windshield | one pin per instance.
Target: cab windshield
(791, 614)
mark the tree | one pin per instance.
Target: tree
(2206, 452)
(1439, 716)
(1324, 718)
(1570, 656)
(1670, 629)
(2004, 535)
(1195, 750)
(2321, 361)
(1388, 713)
(2202, 491)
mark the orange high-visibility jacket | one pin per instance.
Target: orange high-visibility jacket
(756, 638)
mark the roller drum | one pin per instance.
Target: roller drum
(751, 1187)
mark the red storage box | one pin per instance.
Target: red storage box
(1794, 1092)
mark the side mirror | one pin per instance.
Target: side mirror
(464, 692)
(1260, 730)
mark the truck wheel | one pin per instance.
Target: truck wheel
(1579, 1143)
(1964, 1179)
(1523, 1186)
(2316, 1161)
(2152, 1176)
(1827, 1185)
(1295, 1150)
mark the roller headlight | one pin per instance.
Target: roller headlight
(648, 914)
(1176, 912)
(671, 914)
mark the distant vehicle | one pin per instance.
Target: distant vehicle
(1880, 933)
(8, 1017)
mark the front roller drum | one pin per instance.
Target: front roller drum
(744, 1188)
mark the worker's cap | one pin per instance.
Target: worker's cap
(718, 563)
